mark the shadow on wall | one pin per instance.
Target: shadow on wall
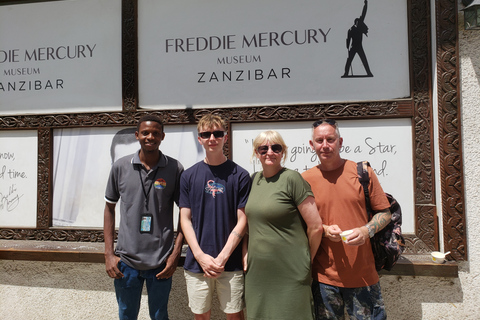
(56, 290)
(404, 296)
(469, 50)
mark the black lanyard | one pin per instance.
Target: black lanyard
(146, 193)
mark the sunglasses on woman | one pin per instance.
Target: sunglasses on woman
(208, 134)
(276, 148)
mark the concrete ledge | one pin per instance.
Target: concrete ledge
(52, 251)
(407, 265)
(422, 265)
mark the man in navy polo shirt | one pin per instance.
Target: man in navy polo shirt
(147, 184)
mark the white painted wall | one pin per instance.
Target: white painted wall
(67, 291)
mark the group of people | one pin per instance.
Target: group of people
(269, 244)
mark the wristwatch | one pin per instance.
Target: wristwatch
(371, 231)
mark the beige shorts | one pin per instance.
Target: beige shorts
(229, 286)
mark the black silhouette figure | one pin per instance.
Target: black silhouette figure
(354, 44)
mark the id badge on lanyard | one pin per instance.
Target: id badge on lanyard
(146, 223)
(146, 219)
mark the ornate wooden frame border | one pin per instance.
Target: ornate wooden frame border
(419, 108)
(449, 127)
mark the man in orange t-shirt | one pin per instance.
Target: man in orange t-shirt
(344, 273)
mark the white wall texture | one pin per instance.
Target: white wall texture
(67, 291)
(53, 290)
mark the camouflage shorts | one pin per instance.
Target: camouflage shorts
(360, 303)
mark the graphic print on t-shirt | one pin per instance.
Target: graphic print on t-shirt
(213, 188)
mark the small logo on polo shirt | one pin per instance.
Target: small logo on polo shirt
(160, 184)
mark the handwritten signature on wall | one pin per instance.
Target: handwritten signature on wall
(10, 198)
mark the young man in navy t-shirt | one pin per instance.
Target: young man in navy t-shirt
(213, 195)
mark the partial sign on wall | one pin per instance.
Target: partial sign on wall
(63, 56)
(386, 144)
(82, 161)
(240, 53)
(18, 178)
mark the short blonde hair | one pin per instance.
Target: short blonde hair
(211, 120)
(274, 138)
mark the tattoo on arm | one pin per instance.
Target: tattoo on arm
(380, 220)
(237, 234)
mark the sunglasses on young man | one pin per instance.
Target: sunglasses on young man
(208, 134)
(329, 121)
(276, 148)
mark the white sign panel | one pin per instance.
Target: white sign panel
(18, 179)
(386, 144)
(82, 162)
(60, 56)
(232, 53)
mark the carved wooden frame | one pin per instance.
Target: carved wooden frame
(449, 126)
(419, 108)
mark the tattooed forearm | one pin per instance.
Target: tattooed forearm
(380, 220)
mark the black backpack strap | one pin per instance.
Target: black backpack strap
(364, 179)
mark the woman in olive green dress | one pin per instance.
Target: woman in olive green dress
(284, 232)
